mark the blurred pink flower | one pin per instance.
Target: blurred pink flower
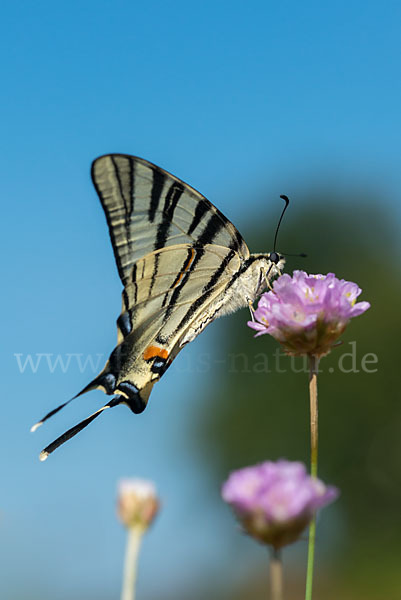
(276, 501)
(307, 313)
(137, 502)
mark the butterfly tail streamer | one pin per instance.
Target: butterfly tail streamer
(91, 386)
(49, 414)
(77, 428)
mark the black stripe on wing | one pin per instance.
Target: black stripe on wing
(134, 270)
(178, 290)
(207, 291)
(211, 230)
(170, 204)
(237, 242)
(179, 280)
(201, 210)
(215, 224)
(128, 198)
(155, 195)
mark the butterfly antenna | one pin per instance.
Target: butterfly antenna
(76, 429)
(301, 255)
(286, 200)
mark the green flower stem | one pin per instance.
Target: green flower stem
(313, 370)
(131, 560)
(276, 575)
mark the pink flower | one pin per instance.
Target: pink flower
(307, 313)
(276, 501)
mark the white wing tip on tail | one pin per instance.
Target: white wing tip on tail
(36, 426)
(43, 455)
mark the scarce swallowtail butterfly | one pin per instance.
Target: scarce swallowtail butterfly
(182, 264)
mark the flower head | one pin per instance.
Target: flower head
(307, 313)
(137, 502)
(275, 501)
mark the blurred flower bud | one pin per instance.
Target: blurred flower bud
(137, 502)
(276, 501)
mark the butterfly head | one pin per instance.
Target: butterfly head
(275, 264)
(277, 260)
(262, 268)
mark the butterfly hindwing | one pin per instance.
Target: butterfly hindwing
(162, 311)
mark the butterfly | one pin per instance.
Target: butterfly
(182, 264)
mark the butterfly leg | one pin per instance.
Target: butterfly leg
(267, 280)
(251, 310)
(268, 284)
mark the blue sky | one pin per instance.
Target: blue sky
(225, 95)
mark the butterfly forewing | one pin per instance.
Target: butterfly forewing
(148, 209)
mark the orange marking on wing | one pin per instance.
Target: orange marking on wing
(191, 258)
(155, 351)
